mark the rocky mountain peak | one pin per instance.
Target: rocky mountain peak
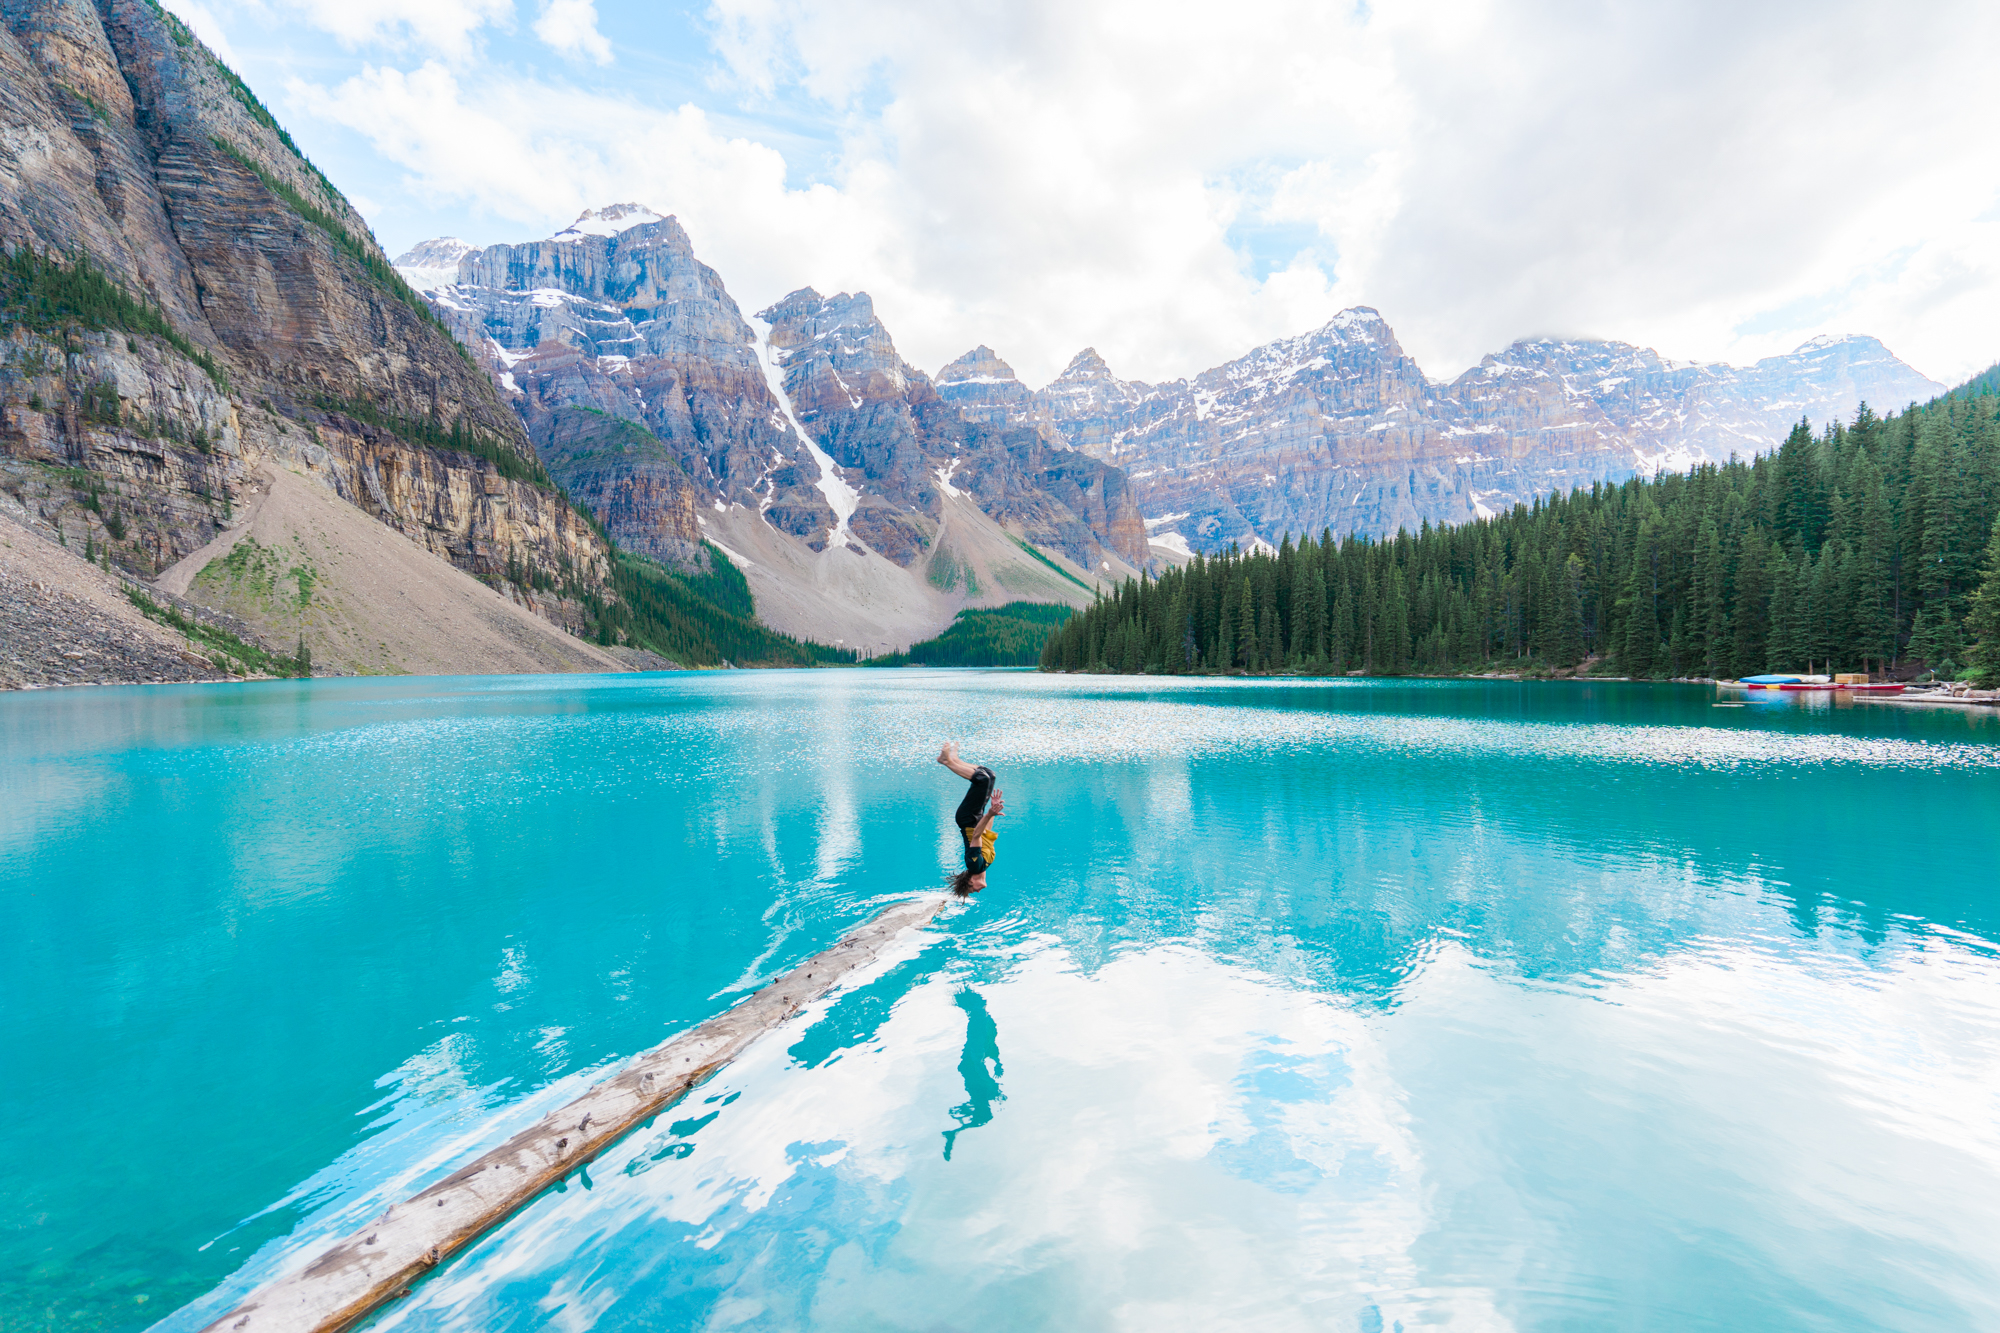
(982, 363)
(431, 264)
(435, 253)
(638, 377)
(1585, 359)
(1361, 323)
(984, 388)
(1081, 405)
(1853, 359)
(1356, 347)
(1085, 365)
(609, 221)
(835, 353)
(629, 287)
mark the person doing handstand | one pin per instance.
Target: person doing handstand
(974, 819)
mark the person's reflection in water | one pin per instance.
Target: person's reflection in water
(982, 1087)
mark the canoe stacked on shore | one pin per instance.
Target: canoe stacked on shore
(1844, 684)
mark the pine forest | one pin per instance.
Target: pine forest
(1867, 546)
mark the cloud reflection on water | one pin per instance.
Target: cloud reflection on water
(1351, 1003)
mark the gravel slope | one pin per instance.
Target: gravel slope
(366, 599)
(64, 621)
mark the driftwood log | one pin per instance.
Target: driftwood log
(354, 1276)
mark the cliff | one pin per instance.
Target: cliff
(890, 426)
(187, 299)
(615, 315)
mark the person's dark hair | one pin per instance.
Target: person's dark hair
(961, 883)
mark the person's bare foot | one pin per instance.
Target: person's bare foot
(948, 753)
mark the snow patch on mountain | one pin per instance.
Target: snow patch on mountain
(842, 498)
(608, 221)
(433, 264)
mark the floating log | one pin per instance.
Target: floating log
(352, 1277)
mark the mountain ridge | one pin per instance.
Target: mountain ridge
(797, 441)
(1337, 427)
(1269, 443)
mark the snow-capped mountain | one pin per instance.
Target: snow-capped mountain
(1339, 428)
(608, 221)
(433, 263)
(880, 418)
(802, 440)
(614, 319)
(983, 388)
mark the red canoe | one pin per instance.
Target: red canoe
(1824, 685)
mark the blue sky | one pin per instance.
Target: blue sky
(1174, 183)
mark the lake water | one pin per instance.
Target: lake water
(1331, 1005)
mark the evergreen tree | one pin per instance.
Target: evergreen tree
(1395, 632)
(1568, 613)
(1309, 625)
(1224, 656)
(1709, 630)
(1788, 614)
(1936, 640)
(1823, 608)
(1640, 653)
(1983, 624)
(1642, 628)
(1752, 607)
(1246, 626)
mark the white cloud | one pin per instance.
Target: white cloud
(538, 155)
(570, 27)
(445, 27)
(1046, 174)
(1680, 175)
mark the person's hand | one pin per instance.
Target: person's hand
(999, 804)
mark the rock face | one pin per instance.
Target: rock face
(1340, 429)
(901, 442)
(283, 334)
(614, 316)
(627, 476)
(983, 388)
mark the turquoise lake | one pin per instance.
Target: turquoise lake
(1352, 1005)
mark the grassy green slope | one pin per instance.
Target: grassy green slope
(1010, 635)
(698, 620)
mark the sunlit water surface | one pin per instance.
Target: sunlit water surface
(1335, 1005)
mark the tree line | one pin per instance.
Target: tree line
(693, 618)
(1862, 547)
(1001, 636)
